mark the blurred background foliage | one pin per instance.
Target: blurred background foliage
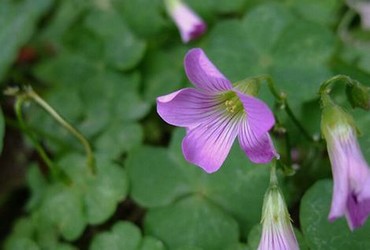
(102, 63)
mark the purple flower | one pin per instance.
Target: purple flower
(363, 8)
(351, 174)
(189, 24)
(215, 113)
(277, 230)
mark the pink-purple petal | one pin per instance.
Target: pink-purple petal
(190, 25)
(203, 74)
(364, 193)
(259, 149)
(259, 115)
(187, 107)
(208, 144)
(351, 177)
(341, 183)
(357, 212)
(253, 134)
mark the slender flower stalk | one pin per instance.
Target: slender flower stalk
(190, 25)
(215, 113)
(28, 93)
(277, 230)
(351, 173)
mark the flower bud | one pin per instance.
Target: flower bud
(190, 25)
(351, 173)
(277, 230)
(358, 95)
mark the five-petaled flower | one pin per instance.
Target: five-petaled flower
(190, 25)
(277, 230)
(351, 174)
(215, 113)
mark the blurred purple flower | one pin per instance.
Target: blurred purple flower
(190, 25)
(214, 113)
(277, 230)
(351, 174)
(363, 9)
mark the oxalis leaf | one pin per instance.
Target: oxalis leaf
(100, 192)
(122, 49)
(127, 236)
(89, 199)
(192, 221)
(33, 233)
(294, 51)
(16, 28)
(160, 176)
(102, 103)
(319, 232)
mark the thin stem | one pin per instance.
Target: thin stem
(288, 148)
(326, 86)
(273, 176)
(282, 99)
(89, 153)
(38, 147)
(15, 124)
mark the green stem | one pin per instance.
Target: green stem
(89, 153)
(273, 176)
(282, 100)
(288, 148)
(41, 133)
(38, 147)
(325, 87)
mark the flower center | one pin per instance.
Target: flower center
(232, 103)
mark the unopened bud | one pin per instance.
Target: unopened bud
(358, 95)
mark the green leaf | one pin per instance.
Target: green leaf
(198, 223)
(100, 101)
(63, 207)
(35, 232)
(163, 72)
(127, 136)
(171, 178)
(236, 196)
(323, 12)
(100, 192)
(123, 235)
(37, 184)
(68, 69)
(122, 49)
(319, 232)
(88, 199)
(225, 6)
(80, 40)
(238, 246)
(21, 243)
(296, 53)
(108, 189)
(274, 18)
(16, 29)
(65, 16)
(151, 243)
(145, 22)
(127, 236)
(156, 177)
